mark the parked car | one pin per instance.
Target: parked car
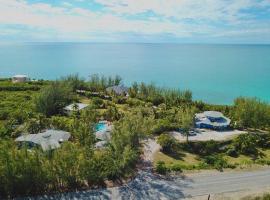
(192, 133)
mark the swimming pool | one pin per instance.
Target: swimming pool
(101, 126)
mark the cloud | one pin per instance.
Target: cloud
(183, 9)
(177, 18)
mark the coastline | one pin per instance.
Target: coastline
(212, 72)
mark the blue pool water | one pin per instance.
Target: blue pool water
(101, 127)
(214, 73)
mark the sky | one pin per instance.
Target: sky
(149, 21)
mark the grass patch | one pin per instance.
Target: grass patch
(186, 161)
(263, 197)
(189, 161)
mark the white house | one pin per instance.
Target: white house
(75, 106)
(20, 79)
(212, 120)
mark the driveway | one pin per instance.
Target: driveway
(228, 185)
(205, 135)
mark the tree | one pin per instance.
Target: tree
(112, 113)
(185, 118)
(53, 98)
(247, 144)
(74, 82)
(167, 143)
(251, 113)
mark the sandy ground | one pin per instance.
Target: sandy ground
(150, 147)
(204, 135)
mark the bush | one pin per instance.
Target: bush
(162, 126)
(264, 197)
(98, 103)
(161, 167)
(167, 143)
(176, 168)
(202, 148)
(247, 144)
(251, 113)
(232, 152)
(216, 161)
(263, 162)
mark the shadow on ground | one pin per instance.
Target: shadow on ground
(145, 185)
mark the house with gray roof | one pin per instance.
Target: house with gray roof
(212, 120)
(47, 140)
(74, 107)
(118, 89)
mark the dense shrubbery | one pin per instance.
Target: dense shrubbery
(161, 168)
(167, 143)
(157, 95)
(53, 98)
(100, 83)
(202, 148)
(148, 110)
(95, 83)
(74, 164)
(216, 161)
(251, 113)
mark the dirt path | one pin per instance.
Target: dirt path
(150, 147)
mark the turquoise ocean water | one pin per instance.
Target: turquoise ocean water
(214, 73)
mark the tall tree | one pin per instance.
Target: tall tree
(186, 120)
(53, 98)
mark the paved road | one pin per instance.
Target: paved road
(149, 186)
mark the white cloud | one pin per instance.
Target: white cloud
(74, 20)
(68, 21)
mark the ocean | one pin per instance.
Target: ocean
(214, 73)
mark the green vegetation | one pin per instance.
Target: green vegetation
(148, 111)
(263, 197)
(244, 150)
(251, 113)
(53, 98)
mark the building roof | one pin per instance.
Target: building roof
(213, 114)
(47, 140)
(103, 135)
(203, 118)
(79, 105)
(100, 144)
(20, 76)
(118, 89)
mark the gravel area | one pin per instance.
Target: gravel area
(204, 135)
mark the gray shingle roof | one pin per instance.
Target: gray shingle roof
(47, 140)
(118, 89)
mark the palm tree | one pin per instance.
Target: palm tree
(75, 109)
